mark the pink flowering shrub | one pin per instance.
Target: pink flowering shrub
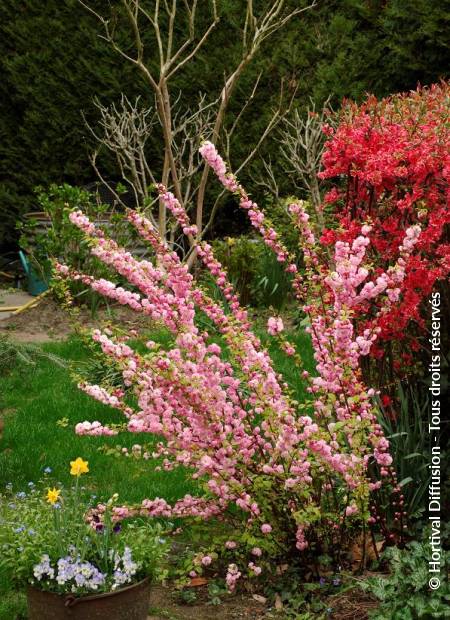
(292, 477)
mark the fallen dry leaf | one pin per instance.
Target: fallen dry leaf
(357, 550)
(278, 602)
(196, 582)
(260, 599)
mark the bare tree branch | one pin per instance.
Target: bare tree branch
(125, 127)
(268, 179)
(302, 141)
(194, 52)
(262, 27)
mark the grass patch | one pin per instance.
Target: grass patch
(13, 605)
(34, 398)
(287, 367)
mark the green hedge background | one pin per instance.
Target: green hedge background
(53, 63)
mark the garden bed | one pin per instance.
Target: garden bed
(350, 605)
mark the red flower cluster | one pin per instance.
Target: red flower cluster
(390, 164)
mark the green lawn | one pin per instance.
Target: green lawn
(34, 398)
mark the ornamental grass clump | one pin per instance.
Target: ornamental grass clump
(50, 539)
(291, 479)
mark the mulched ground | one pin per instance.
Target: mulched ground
(165, 607)
(351, 605)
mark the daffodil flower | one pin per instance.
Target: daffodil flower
(78, 467)
(53, 495)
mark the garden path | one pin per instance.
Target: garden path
(12, 300)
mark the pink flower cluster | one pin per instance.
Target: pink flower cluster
(93, 428)
(333, 295)
(275, 325)
(230, 418)
(256, 216)
(209, 153)
(232, 577)
(177, 211)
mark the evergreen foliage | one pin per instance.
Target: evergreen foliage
(53, 63)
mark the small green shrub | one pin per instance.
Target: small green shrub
(257, 277)
(58, 239)
(405, 594)
(241, 257)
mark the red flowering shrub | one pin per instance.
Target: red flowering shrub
(390, 164)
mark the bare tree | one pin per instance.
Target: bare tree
(124, 129)
(302, 142)
(181, 129)
(267, 179)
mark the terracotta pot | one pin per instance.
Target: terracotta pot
(129, 603)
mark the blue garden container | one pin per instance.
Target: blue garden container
(36, 285)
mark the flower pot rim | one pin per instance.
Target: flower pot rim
(72, 599)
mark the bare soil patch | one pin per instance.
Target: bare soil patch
(164, 607)
(350, 605)
(48, 322)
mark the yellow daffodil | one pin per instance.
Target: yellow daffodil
(53, 495)
(78, 467)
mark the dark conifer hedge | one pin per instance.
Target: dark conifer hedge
(52, 64)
